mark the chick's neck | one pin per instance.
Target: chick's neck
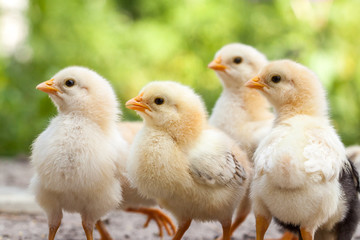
(105, 118)
(314, 107)
(183, 131)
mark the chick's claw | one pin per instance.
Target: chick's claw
(161, 219)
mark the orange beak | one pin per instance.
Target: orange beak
(48, 87)
(216, 64)
(255, 83)
(137, 104)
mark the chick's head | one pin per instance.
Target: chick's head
(79, 89)
(291, 87)
(237, 63)
(172, 107)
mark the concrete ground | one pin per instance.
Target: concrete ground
(21, 218)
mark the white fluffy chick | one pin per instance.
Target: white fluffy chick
(75, 158)
(241, 112)
(194, 171)
(302, 176)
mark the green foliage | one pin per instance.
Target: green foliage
(132, 42)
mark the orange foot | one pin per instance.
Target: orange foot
(161, 219)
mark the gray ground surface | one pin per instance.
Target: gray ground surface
(121, 225)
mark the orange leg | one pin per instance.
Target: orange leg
(104, 234)
(54, 220)
(226, 230)
(182, 229)
(237, 223)
(52, 231)
(306, 235)
(262, 224)
(241, 214)
(88, 228)
(161, 219)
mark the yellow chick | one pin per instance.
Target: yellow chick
(194, 171)
(133, 201)
(241, 112)
(76, 156)
(302, 176)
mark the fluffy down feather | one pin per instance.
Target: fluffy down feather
(303, 145)
(213, 163)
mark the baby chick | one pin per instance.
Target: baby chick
(194, 171)
(302, 176)
(133, 201)
(241, 112)
(75, 158)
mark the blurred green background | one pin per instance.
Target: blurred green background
(132, 42)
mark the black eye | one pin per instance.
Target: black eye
(237, 60)
(275, 78)
(159, 101)
(70, 83)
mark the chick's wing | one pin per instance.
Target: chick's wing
(324, 154)
(214, 162)
(298, 153)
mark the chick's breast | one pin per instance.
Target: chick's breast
(156, 165)
(292, 156)
(300, 164)
(75, 156)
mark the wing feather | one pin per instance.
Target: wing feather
(302, 149)
(213, 162)
(324, 154)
